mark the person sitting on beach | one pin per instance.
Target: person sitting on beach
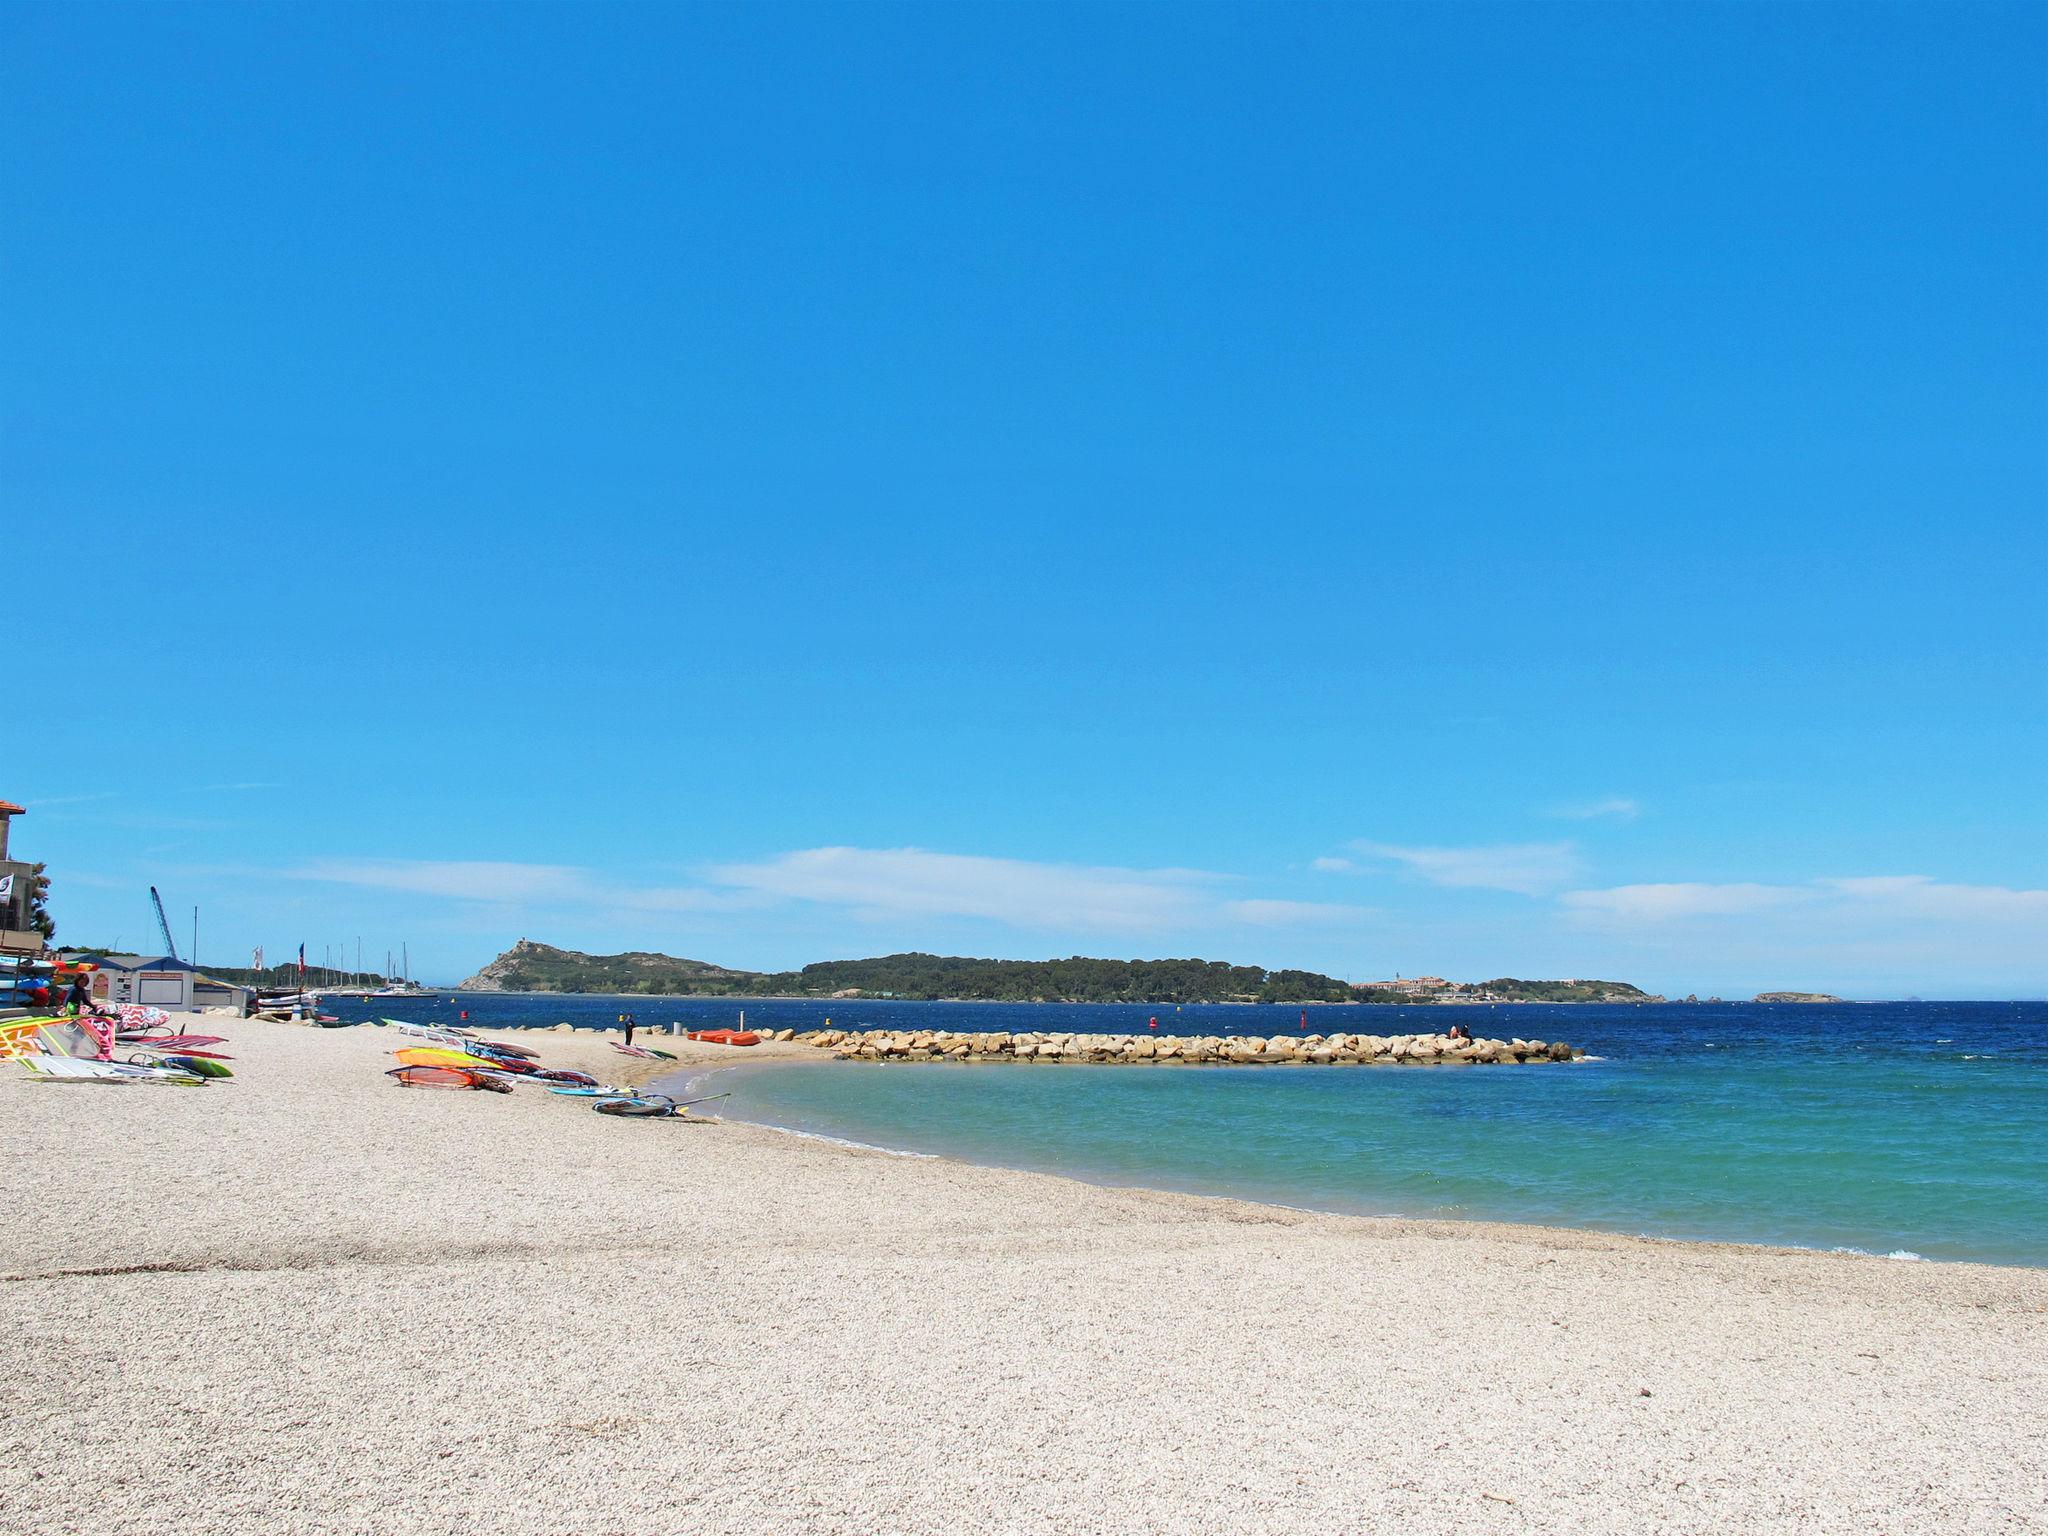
(1460, 1032)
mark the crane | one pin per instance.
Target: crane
(163, 923)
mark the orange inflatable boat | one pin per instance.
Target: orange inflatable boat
(726, 1036)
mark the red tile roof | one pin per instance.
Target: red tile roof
(9, 808)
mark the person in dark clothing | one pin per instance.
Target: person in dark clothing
(628, 1020)
(79, 998)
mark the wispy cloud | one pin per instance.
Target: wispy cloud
(98, 882)
(42, 801)
(1925, 896)
(1529, 869)
(1665, 903)
(1332, 866)
(512, 884)
(1615, 807)
(1918, 897)
(471, 881)
(917, 882)
(875, 884)
(1259, 913)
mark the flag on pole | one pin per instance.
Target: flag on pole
(302, 964)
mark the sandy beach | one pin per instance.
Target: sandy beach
(309, 1301)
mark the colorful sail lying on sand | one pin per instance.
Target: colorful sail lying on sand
(437, 1056)
(446, 1077)
(69, 1069)
(86, 1039)
(654, 1108)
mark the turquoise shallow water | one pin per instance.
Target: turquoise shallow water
(1894, 1131)
(1909, 1128)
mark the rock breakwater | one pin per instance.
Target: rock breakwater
(1171, 1050)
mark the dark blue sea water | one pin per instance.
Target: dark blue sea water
(1893, 1128)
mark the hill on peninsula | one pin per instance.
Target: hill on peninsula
(531, 967)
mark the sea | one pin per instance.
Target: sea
(1909, 1130)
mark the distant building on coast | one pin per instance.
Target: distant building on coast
(17, 935)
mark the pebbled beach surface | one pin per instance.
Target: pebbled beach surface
(309, 1301)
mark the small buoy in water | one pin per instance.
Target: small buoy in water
(1153, 1022)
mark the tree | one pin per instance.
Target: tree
(38, 909)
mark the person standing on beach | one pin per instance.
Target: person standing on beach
(628, 1020)
(79, 999)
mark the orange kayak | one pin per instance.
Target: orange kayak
(726, 1036)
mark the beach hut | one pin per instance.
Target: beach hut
(154, 982)
(209, 993)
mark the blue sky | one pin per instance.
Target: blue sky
(1526, 490)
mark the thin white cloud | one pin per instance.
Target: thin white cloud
(871, 883)
(1615, 807)
(1872, 935)
(893, 882)
(1923, 895)
(1664, 903)
(1529, 869)
(511, 884)
(42, 801)
(1295, 914)
(1332, 866)
(98, 882)
(463, 881)
(1920, 897)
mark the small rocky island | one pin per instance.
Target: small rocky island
(1796, 997)
(1167, 1050)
